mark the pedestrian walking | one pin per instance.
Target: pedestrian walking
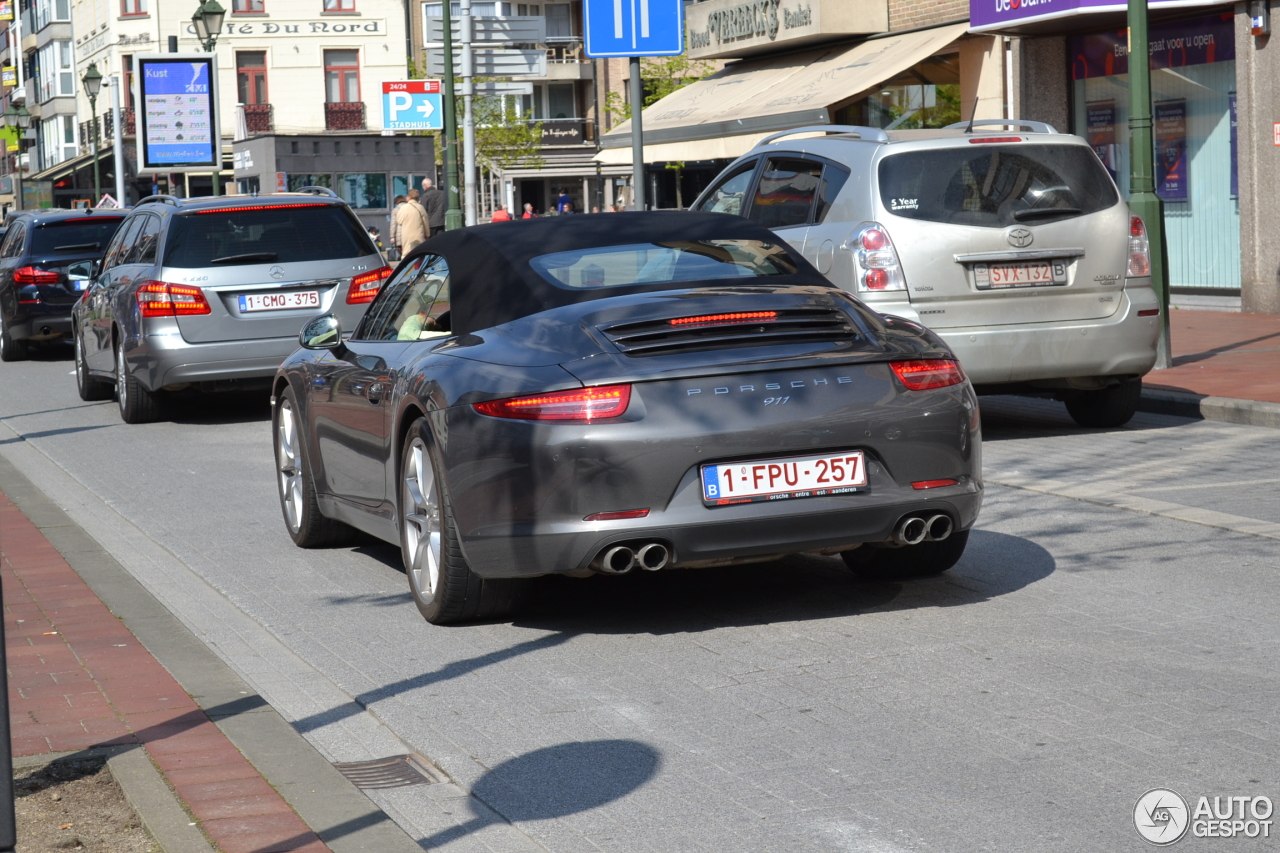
(563, 202)
(528, 212)
(394, 254)
(435, 204)
(501, 215)
(411, 221)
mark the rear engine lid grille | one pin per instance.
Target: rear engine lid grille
(731, 329)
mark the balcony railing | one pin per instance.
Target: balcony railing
(106, 129)
(340, 116)
(258, 118)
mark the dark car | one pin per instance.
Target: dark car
(587, 395)
(46, 261)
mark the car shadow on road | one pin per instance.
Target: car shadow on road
(219, 407)
(51, 351)
(1008, 417)
(793, 589)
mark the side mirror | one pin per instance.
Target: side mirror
(321, 333)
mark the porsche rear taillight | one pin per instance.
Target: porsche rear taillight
(928, 373)
(578, 404)
(365, 287)
(161, 299)
(35, 275)
(1139, 249)
(875, 262)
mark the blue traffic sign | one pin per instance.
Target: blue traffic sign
(634, 27)
(412, 105)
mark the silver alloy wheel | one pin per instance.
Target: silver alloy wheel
(421, 507)
(289, 462)
(122, 384)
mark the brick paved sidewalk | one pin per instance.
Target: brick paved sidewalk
(79, 678)
(1220, 354)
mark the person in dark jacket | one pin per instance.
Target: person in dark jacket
(434, 202)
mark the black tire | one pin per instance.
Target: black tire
(1112, 406)
(295, 483)
(909, 561)
(11, 350)
(90, 389)
(443, 585)
(137, 404)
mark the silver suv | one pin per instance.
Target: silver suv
(210, 293)
(1013, 245)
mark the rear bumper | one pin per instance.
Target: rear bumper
(1123, 344)
(158, 360)
(33, 325)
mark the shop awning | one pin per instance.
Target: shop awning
(726, 114)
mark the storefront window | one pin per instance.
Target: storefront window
(367, 190)
(926, 95)
(1193, 75)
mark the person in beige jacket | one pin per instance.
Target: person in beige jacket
(410, 224)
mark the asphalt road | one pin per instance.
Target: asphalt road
(1112, 628)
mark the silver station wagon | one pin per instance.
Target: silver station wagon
(1013, 245)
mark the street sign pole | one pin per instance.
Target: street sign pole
(1143, 200)
(452, 215)
(637, 135)
(468, 117)
(8, 822)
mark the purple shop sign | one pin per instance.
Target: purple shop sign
(1174, 44)
(1170, 128)
(1002, 14)
(1100, 130)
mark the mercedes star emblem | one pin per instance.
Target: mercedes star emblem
(1020, 238)
(278, 272)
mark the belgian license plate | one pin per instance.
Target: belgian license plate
(279, 301)
(1032, 274)
(782, 479)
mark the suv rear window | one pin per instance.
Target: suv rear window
(74, 236)
(995, 186)
(277, 234)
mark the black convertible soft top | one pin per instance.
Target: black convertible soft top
(491, 281)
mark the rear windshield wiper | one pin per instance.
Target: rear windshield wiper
(1045, 213)
(246, 258)
(79, 247)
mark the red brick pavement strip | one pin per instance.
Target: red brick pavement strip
(1221, 354)
(78, 678)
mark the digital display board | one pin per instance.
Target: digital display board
(178, 119)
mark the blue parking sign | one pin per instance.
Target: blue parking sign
(634, 27)
(412, 105)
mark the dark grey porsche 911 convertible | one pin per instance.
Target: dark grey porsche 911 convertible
(598, 394)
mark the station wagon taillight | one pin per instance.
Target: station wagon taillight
(928, 373)
(161, 299)
(577, 404)
(365, 287)
(875, 262)
(1139, 249)
(35, 275)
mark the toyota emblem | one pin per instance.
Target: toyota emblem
(1020, 238)
(278, 272)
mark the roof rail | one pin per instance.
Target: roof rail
(316, 191)
(160, 199)
(867, 134)
(1033, 126)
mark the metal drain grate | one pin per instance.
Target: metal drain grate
(398, 771)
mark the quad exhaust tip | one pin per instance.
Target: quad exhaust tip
(621, 559)
(915, 529)
(653, 556)
(618, 560)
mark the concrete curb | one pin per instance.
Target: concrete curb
(340, 814)
(1226, 409)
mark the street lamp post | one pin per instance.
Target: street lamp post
(21, 119)
(92, 81)
(208, 23)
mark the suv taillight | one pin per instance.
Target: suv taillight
(161, 299)
(365, 286)
(1139, 250)
(875, 261)
(35, 275)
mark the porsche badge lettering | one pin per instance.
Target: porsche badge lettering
(773, 386)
